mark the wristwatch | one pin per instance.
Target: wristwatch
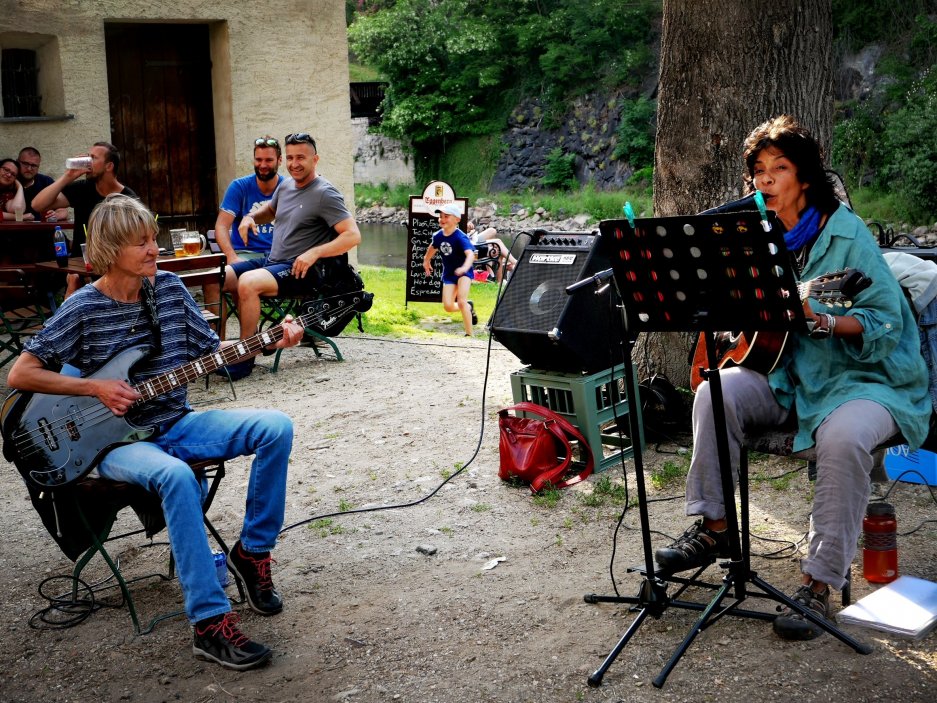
(821, 327)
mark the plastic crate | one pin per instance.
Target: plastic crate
(898, 460)
(592, 403)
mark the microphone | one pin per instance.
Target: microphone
(597, 278)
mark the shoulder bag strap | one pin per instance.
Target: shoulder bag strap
(558, 423)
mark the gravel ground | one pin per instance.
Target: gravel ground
(399, 605)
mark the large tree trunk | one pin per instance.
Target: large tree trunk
(726, 67)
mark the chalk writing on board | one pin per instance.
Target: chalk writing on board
(422, 225)
(420, 287)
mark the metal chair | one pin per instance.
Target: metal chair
(24, 310)
(81, 517)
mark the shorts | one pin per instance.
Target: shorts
(288, 286)
(451, 278)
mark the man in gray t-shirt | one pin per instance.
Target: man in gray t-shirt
(313, 232)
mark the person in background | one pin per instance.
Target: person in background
(133, 304)
(313, 235)
(852, 380)
(244, 195)
(29, 161)
(490, 234)
(11, 191)
(82, 195)
(457, 253)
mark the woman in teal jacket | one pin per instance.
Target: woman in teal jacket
(853, 379)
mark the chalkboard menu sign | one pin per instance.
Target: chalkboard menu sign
(421, 226)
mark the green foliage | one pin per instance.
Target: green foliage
(860, 22)
(888, 143)
(559, 170)
(452, 63)
(636, 133)
(910, 146)
(466, 165)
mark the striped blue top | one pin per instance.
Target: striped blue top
(89, 329)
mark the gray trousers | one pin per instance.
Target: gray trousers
(844, 442)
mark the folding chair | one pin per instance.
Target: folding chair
(80, 518)
(24, 310)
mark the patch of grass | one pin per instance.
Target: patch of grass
(782, 482)
(672, 473)
(391, 317)
(481, 508)
(448, 531)
(325, 527)
(605, 486)
(548, 497)
(568, 523)
(445, 473)
(345, 505)
(592, 500)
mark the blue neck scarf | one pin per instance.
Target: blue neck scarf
(804, 231)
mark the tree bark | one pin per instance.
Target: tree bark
(725, 68)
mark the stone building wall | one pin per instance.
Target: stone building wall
(274, 70)
(379, 159)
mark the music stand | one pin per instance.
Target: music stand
(702, 273)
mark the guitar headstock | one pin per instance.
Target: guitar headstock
(836, 289)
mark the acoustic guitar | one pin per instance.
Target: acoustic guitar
(761, 351)
(54, 440)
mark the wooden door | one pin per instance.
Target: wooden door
(159, 82)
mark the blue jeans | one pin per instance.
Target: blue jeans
(159, 465)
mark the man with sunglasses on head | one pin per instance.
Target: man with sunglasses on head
(313, 234)
(245, 195)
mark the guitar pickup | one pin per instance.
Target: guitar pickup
(72, 428)
(48, 436)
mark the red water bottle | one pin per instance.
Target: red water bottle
(880, 543)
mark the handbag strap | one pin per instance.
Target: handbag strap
(567, 429)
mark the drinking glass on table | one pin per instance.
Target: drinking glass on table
(178, 245)
(18, 213)
(193, 243)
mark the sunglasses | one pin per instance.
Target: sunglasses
(301, 138)
(267, 141)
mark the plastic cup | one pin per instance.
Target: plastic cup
(18, 213)
(178, 246)
(84, 255)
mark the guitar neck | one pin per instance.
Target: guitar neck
(230, 354)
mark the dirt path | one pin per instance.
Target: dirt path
(370, 617)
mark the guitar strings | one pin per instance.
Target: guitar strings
(102, 412)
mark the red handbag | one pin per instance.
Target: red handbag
(538, 451)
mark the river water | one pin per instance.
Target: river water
(383, 245)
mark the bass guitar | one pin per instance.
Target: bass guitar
(761, 351)
(54, 440)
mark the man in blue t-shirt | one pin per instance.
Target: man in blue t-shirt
(246, 195)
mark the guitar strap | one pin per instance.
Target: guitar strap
(149, 305)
